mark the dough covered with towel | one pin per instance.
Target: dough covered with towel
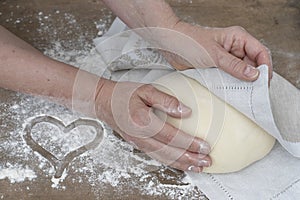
(235, 140)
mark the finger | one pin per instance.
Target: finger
(174, 137)
(189, 159)
(144, 123)
(259, 53)
(171, 156)
(179, 158)
(241, 42)
(186, 167)
(164, 102)
(187, 163)
(236, 67)
(236, 47)
(249, 61)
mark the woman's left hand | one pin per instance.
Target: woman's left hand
(232, 49)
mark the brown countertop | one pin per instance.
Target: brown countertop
(73, 23)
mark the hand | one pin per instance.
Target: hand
(232, 49)
(128, 108)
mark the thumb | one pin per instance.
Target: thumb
(164, 102)
(237, 67)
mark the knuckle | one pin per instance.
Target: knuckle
(147, 88)
(267, 50)
(188, 158)
(148, 92)
(235, 65)
(170, 102)
(237, 29)
(169, 137)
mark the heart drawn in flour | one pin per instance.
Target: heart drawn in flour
(60, 164)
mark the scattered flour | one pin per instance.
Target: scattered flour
(17, 173)
(56, 181)
(113, 164)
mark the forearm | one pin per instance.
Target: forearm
(143, 13)
(26, 70)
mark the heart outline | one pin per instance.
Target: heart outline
(61, 164)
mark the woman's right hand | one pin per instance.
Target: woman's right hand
(128, 108)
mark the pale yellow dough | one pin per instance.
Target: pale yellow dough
(235, 140)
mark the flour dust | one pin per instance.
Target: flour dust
(113, 164)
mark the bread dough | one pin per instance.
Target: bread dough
(235, 140)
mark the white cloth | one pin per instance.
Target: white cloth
(275, 177)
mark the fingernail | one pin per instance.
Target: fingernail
(204, 163)
(195, 169)
(204, 148)
(183, 109)
(251, 72)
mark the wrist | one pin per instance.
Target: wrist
(145, 13)
(102, 100)
(87, 94)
